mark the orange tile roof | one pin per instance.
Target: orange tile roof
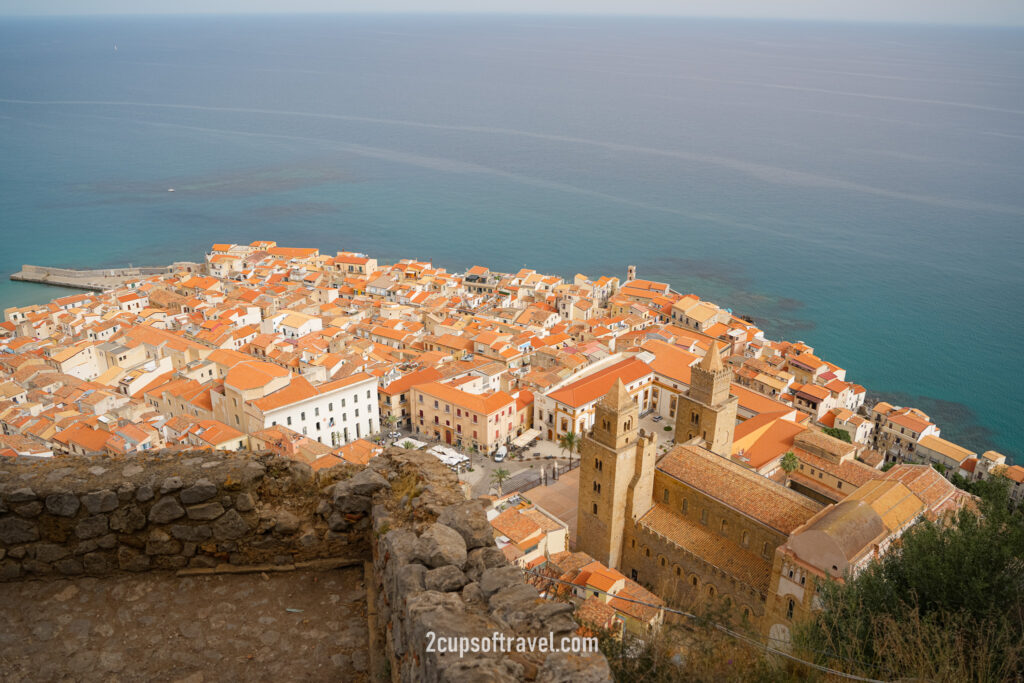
(477, 403)
(738, 487)
(741, 564)
(252, 374)
(593, 387)
(297, 390)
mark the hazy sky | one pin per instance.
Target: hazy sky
(1007, 12)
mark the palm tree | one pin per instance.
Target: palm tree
(390, 421)
(569, 442)
(407, 444)
(498, 477)
(789, 463)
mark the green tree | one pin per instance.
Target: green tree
(789, 463)
(837, 433)
(498, 477)
(945, 603)
(569, 442)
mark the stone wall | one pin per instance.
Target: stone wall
(436, 568)
(439, 571)
(97, 516)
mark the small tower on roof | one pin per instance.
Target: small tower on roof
(708, 411)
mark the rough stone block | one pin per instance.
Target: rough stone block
(128, 559)
(69, 566)
(28, 510)
(100, 501)
(469, 519)
(98, 563)
(62, 504)
(161, 543)
(493, 580)
(14, 530)
(127, 519)
(230, 526)
(440, 545)
(166, 510)
(285, 523)
(444, 579)
(91, 527)
(144, 493)
(171, 484)
(244, 502)
(205, 511)
(192, 534)
(22, 495)
(201, 491)
(51, 552)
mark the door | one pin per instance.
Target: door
(448, 437)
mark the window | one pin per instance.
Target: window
(597, 487)
(663, 562)
(693, 581)
(694, 417)
(330, 407)
(789, 609)
(704, 516)
(723, 528)
(316, 411)
(595, 508)
(357, 412)
(647, 552)
(367, 393)
(664, 496)
(686, 505)
(764, 550)
(289, 420)
(745, 541)
(302, 416)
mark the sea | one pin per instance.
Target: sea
(859, 187)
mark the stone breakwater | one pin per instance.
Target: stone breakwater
(435, 567)
(98, 279)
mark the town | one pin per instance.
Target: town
(635, 446)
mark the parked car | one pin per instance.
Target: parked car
(394, 435)
(658, 418)
(500, 454)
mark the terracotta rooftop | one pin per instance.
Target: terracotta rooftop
(741, 564)
(738, 487)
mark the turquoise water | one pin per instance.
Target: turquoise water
(856, 187)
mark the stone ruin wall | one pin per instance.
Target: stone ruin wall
(435, 566)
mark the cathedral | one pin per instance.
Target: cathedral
(695, 525)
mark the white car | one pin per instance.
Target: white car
(394, 435)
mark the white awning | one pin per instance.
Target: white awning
(525, 438)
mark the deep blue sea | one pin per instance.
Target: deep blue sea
(859, 187)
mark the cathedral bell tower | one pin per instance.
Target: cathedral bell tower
(708, 411)
(616, 476)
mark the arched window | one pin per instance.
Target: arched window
(663, 562)
(789, 609)
(711, 591)
(647, 551)
(679, 571)
(694, 417)
(745, 542)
